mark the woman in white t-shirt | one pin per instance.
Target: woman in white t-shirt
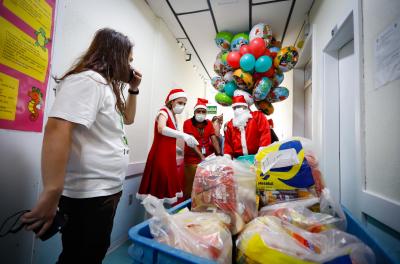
(85, 151)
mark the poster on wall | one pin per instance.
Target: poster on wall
(387, 55)
(26, 33)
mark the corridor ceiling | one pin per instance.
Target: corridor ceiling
(194, 23)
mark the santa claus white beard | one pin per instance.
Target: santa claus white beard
(240, 121)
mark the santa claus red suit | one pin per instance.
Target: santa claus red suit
(247, 131)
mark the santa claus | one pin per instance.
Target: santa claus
(247, 131)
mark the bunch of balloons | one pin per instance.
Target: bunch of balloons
(252, 65)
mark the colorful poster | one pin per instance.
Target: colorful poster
(26, 32)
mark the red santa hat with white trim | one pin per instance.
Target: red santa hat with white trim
(239, 101)
(201, 104)
(174, 94)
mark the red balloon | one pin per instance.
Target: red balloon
(257, 47)
(244, 49)
(233, 59)
(267, 53)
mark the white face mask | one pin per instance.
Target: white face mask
(178, 108)
(239, 111)
(200, 117)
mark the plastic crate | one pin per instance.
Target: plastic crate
(145, 249)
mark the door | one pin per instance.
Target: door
(308, 100)
(347, 133)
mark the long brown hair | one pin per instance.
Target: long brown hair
(108, 54)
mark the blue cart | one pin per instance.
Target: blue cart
(146, 250)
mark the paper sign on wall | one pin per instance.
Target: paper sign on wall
(387, 55)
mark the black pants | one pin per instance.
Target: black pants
(86, 236)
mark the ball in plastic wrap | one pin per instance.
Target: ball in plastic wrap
(247, 96)
(261, 88)
(278, 94)
(218, 83)
(223, 40)
(230, 88)
(238, 40)
(286, 58)
(265, 107)
(263, 31)
(223, 99)
(243, 80)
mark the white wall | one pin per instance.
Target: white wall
(382, 108)
(163, 66)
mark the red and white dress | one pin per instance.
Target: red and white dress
(161, 177)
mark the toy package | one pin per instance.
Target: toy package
(268, 239)
(223, 185)
(286, 171)
(202, 234)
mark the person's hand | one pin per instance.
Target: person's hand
(42, 215)
(135, 80)
(190, 140)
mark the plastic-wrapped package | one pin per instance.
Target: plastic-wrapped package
(202, 234)
(287, 170)
(226, 186)
(329, 213)
(268, 239)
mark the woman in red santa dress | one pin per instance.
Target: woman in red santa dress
(247, 131)
(160, 177)
(203, 130)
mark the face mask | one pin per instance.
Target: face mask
(178, 109)
(200, 117)
(238, 111)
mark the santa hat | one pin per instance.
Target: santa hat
(201, 103)
(174, 94)
(238, 101)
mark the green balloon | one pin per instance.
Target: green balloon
(223, 99)
(223, 40)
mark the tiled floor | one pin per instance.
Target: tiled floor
(119, 255)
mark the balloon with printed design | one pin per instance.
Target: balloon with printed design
(228, 76)
(261, 88)
(220, 68)
(218, 83)
(265, 107)
(277, 94)
(277, 79)
(243, 80)
(263, 31)
(286, 58)
(239, 40)
(223, 40)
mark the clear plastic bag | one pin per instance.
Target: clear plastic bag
(202, 234)
(329, 213)
(268, 239)
(223, 185)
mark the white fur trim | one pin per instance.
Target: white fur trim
(241, 104)
(243, 140)
(177, 95)
(200, 106)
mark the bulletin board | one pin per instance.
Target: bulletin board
(26, 33)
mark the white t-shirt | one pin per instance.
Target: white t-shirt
(99, 154)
